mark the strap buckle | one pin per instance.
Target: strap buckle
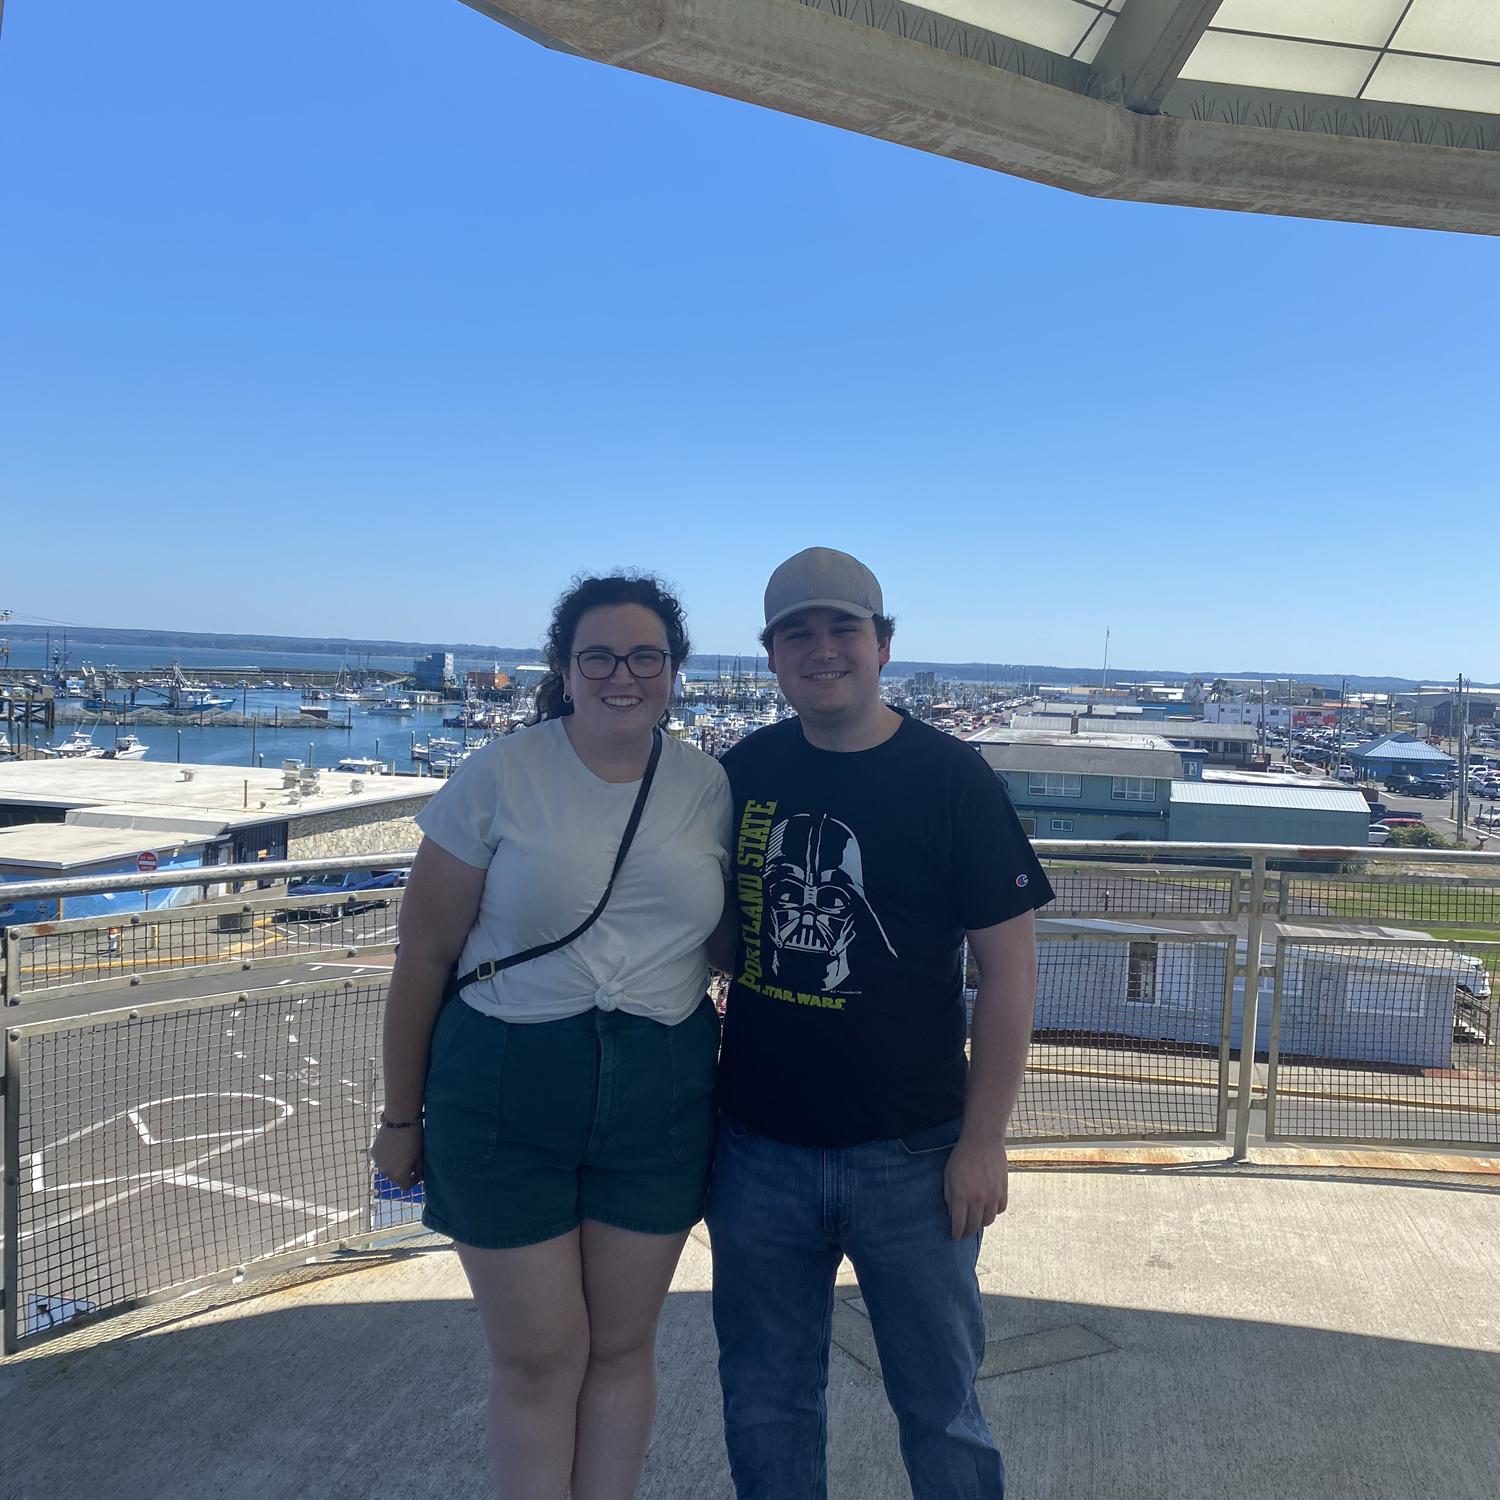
(487, 970)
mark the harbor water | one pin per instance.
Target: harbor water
(385, 737)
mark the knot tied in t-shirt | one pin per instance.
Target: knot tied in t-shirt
(607, 996)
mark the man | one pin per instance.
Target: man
(866, 845)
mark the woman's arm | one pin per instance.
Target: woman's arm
(437, 912)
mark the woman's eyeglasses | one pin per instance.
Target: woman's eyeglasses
(596, 663)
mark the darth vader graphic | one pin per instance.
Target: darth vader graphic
(815, 902)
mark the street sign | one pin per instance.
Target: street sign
(146, 861)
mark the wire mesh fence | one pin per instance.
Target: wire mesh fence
(1413, 897)
(1105, 890)
(186, 1143)
(1385, 1041)
(1130, 1039)
(55, 958)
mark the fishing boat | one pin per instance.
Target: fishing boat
(78, 746)
(128, 747)
(184, 697)
(384, 698)
(436, 748)
(447, 763)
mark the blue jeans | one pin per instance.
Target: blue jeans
(781, 1218)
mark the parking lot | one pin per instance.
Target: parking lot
(1325, 755)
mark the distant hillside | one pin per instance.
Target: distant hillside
(968, 671)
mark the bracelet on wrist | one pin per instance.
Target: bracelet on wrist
(389, 1124)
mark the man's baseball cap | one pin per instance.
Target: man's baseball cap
(821, 578)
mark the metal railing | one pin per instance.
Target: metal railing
(177, 1142)
(81, 955)
(154, 1150)
(1375, 1039)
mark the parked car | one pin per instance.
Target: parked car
(1411, 820)
(354, 886)
(1379, 833)
(1400, 781)
(1429, 789)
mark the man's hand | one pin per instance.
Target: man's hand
(976, 1185)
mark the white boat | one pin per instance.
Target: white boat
(448, 763)
(128, 747)
(78, 746)
(437, 747)
(361, 765)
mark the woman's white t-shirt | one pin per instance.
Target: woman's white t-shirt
(546, 829)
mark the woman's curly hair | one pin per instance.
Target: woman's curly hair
(599, 593)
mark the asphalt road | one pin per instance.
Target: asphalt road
(167, 1148)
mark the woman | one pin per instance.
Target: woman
(561, 1111)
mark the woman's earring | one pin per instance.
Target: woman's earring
(567, 697)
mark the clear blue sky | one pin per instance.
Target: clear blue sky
(370, 318)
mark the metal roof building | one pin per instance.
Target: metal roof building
(1399, 752)
(1380, 111)
(1221, 812)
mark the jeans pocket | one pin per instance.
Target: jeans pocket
(464, 1079)
(932, 1139)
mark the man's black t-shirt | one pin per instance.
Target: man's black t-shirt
(857, 875)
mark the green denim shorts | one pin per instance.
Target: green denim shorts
(532, 1128)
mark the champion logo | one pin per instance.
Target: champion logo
(1023, 880)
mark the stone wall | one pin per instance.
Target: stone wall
(374, 829)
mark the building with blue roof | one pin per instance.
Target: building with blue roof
(1391, 754)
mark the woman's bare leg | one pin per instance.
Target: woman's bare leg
(625, 1281)
(531, 1302)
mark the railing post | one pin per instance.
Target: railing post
(10, 974)
(10, 1221)
(372, 1106)
(1248, 1010)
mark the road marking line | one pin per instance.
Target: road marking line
(38, 1184)
(269, 1199)
(144, 1182)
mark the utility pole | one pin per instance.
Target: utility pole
(1104, 675)
(1461, 791)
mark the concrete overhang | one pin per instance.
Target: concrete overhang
(921, 79)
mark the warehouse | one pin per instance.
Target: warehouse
(1226, 813)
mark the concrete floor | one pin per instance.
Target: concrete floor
(1158, 1332)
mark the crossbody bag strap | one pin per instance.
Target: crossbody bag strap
(490, 967)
